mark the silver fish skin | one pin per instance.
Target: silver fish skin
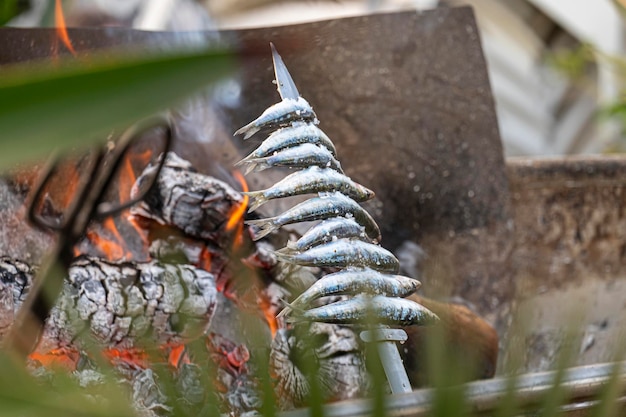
(319, 208)
(280, 114)
(311, 180)
(325, 231)
(301, 156)
(361, 310)
(355, 281)
(343, 253)
(295, 134)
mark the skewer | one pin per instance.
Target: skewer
(385, 339)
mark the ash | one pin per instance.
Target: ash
(118, 303)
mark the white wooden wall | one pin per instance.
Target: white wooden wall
(540, 111)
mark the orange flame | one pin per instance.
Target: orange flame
(205, 259)
(107, 238)
(71, 180)
(266, 308)
(128, 176)
(236, 218)
(59, 21)
(111, 248)
(126, 182)
(238, 213)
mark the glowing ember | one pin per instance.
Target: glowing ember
(178, 356)
(59, 21)
(64, 358)
(134, 357)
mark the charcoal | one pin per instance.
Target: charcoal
(89, 378)
(119, 303)
(18, 238)
(236, 386)
(15, 280)
(197, 204)
(243, 397)
(147, 396)
(189, 384)
(332, 353)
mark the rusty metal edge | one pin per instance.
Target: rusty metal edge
(571, 171)
(581, 386)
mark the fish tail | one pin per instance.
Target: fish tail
(289, 249)
(264, 226)
(243, 161)
(247, 131)
(257, 200)
(257, 164)
(289, 307)
(285, 256)
(293, 319)
(250, 168)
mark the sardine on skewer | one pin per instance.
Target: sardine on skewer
(301, 156)
(282, 113)
(308, 181)
(319, 208)
(354, 281)
(325, 231)
(365, 309)
(344, 253)
(296, 134)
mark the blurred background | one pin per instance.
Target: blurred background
(556, 67)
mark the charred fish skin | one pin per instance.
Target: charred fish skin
(297, 133)
(280, 114)
(345, 253)
(319, 208)
(309, 181)
(300, 156)
(353, 282)
(325, 231)
(361, 310)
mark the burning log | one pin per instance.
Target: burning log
(197, 204)
(120, 303)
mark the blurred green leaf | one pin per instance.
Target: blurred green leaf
(573, 63)
(59, 395)
(76, 102)
(11, 8)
